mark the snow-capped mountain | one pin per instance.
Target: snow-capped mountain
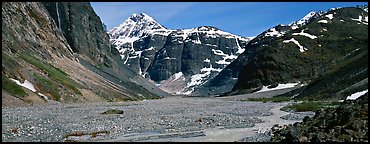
(269, 43)
(189, 56)
(133, 28)
(328, 54)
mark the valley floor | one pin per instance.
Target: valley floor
(168, 119)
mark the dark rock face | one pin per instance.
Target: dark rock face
(347, 123)
(187, 56)
(326, 42)
(82, 28)
(158, 54)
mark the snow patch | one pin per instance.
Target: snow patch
(359, 19)
(200, 78)
(301, 48)
(322, 21)
(330, 16)
(43, 96)
(169, 58)
(302, 21)
(218, 52)
(149, 49)
(225, 57)
(274, 32)
(197, 41)
(211, 45)
(363, 20)
(356, 95)
(207, 60)
(240, 49)
(26, 84)
(280, 86)
(294, 27)
(177, 76)
(305, 34)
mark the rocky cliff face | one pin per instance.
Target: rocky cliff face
(177, 60)
(50, 55)
(82, 29)
(308, 52)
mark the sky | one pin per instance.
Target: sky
(241, 18)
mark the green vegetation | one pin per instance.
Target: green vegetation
(272, 99)
(309, 106)
(340, 77)
(53, 73)
(12, 87)
(48, 86)
(9, 64)
(149, 97)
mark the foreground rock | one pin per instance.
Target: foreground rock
(113, 111)
(347, 123)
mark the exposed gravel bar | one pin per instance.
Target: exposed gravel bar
(168, 119)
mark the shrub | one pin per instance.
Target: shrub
(272, 99)
(309, 106)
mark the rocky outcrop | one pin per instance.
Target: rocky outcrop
(347, 123)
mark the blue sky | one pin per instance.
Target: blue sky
(241, 18)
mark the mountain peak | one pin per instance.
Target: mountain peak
(311, 15)
(141, 17)
(207, 28)
(134, 27)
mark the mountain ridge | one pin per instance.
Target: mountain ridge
(152, 47)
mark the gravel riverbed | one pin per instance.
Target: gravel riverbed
(167, 119)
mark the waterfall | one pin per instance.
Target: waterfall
(56, 5)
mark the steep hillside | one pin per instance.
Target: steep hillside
(41, 62)
(303, 54)
(227, 78)
(339, 82)
(92, 44)
(176, 60)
